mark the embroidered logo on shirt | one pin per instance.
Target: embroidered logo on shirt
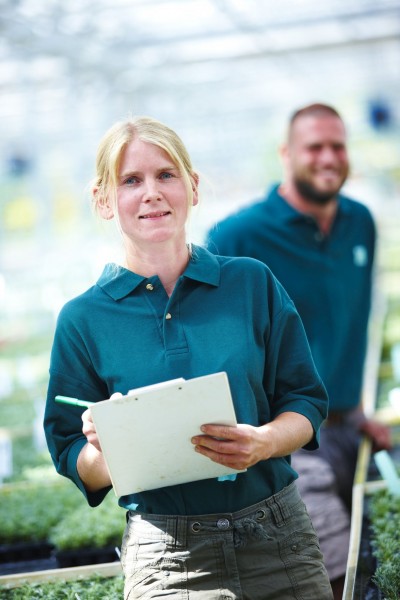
(360, 256)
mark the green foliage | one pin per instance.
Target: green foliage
(42, 472)
(57, 512)
(384, 513)
(88, 527)
(34, 344)
(391, 329)
(29, 511)
(387, 578)
(17, 410)
(95, 588)
(25, 456)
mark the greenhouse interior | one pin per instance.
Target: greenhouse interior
(226, 75)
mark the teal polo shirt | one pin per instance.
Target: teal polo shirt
(225, 314)
(329, 279)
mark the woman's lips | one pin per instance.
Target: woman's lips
(155, 215)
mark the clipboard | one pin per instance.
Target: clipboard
(145, 435)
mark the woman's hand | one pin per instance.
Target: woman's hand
(235, 447)
(91, 465)
(89, 428)
(243, 446)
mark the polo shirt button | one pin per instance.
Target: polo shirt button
(318, 236)
(168, 316)
(150, 287)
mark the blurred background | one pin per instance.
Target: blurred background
(225, 74)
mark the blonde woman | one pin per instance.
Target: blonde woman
(175, 310)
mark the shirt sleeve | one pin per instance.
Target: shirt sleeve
(71, 374)
(291, 379)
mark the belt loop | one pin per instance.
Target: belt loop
(181, 532)
(176, 532)
(276, 512)
(284, 508)
(170, 532)
(280, 507)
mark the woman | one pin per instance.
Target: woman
(175, 310)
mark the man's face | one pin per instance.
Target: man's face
(316, 157)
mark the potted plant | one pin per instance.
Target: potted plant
(89, 535)
(384, 516)
(28, 512)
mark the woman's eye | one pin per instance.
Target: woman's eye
(166, 175)
(130, 180)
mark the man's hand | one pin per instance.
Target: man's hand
(378, 433)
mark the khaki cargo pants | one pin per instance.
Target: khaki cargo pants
(268, 551)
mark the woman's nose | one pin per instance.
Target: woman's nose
(151, 191)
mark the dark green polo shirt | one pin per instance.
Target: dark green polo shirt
(328, 278)
(225, 314)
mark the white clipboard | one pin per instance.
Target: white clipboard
(145, 435)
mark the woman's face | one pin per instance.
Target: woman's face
(152, 196)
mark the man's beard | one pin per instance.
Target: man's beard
(314, 196)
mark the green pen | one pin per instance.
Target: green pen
(73, 401)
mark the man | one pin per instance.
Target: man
(320, 245)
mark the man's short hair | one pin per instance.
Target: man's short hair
(312, 110)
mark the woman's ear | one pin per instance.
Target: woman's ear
(195, 187)
(102, 205)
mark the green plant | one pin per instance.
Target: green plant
(28, 511)
(25, 456)
(384, 514)
(88, 527)
(95, 588)
(17, 411)
(391, 329)
(37, 343)
(387, 578)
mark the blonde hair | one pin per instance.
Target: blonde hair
(118, 137)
